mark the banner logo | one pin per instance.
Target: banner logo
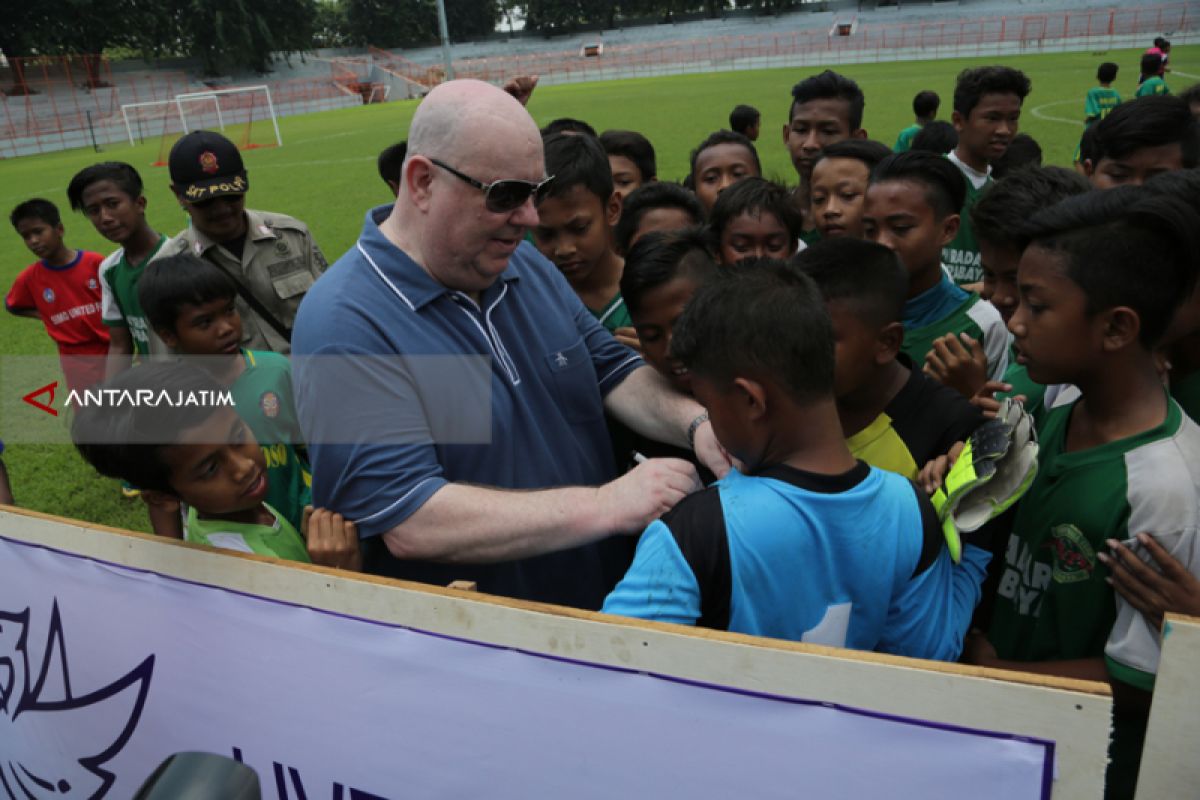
(49, 388)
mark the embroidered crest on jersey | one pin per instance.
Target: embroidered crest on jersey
(208, 162)
(92, 284)
(48, 295)
(1073, 556)
(269, 403)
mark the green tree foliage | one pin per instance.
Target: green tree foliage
(397, 23)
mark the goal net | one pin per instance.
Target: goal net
(245, 115)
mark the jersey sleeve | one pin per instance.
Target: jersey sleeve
(20, 296)
(995, 338)
(1090, 107)
(110, 311)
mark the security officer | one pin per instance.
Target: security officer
(271, 257)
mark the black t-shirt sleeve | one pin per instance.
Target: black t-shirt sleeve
(698, 525)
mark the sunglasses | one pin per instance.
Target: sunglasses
(501, 197)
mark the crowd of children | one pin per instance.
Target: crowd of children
(846, 335)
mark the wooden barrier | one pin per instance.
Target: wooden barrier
(1170, 767)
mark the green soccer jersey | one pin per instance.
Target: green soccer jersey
(1100, 100)
(262, 395)
(280, 540)
(961, 256)
(1152, 86)
(614, 315)
(905, 139)
(1053, 602)
(981, 321)
(120, 307)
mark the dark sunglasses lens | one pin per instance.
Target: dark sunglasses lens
(505, 196)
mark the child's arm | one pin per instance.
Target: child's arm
(331, 539)
(659, 584)
(24, 312)
(6, 495)
(20, 299)
(120, 352)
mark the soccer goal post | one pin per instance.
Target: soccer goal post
(236, 105)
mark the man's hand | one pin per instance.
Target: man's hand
(710, 452)
(331, 539)
(522, 87)
(933, 474)
(1175, 589)
(958, 362)
(646, 492)
(628, 337)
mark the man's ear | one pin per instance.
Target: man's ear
(612, 210)
(153, 497)
(753, 396)
(888, 343)
(1122, 326)
(417, 178)
(950, 228)
(958, 121)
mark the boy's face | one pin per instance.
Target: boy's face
(222, 219)
(814, 126)
(43, 239)
(757, 234)
(988, 130)
(115, 215)
(218, 466)
(209, 329)
(626, 175)
(839, 189)
(1000, 277)
(857, 349)
(1135, 168)
(662, 219)
(574, 231)
(1055, 337)
(719, 167)
(753, 131)
(898, 216)
(654, 320)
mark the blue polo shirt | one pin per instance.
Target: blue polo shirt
(551, 362)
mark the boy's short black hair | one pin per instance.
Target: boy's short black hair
(1107, 72)
(1023, 151)
(1151, 63)
(1181, 183)
(126, 440)
(1159, 41)
(36, 208)
(123, 175)
(577, 161)
(659, 194)
(974, 83)
(1127, 246)
(867, 151)
(1005, 207)
(755, 195)
(635, 147)
(170, 283)
(1147, 122)
(830, 85)
(945, 186)
(568, 125)
(391, 160)
(759, 317)
(743, 118)
(938, 137)
(926, 103)
(723, 137)
(661, 256)
(868, 277)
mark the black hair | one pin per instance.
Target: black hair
(867, 151)
(36, 208)
(661, 256)
(1107, 72)
(750, 195)
(830, 85)
(1191, 95)
(743, 118)
(170, 283)
(635, 147)
(1147, 122)
(1182, 183)
(1006, 206)
(1023, 151)
(945, 186)
(124, 176)
(867, 276)
(1160, 41)
(126, 440)
(926, 103)
(577, 161)
(568, 125)
(1087, 145)
(1151, 63)
(973, 84)
(938, 137)
(659, 194)
(723, 137)
(391, 161)
(1127, 246)
(760, 317)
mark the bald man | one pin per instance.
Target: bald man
(503, 475)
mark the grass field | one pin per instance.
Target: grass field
(325, 175)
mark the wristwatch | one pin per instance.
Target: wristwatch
(693, 427)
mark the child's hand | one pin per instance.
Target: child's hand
(331, 539)
(628, 337)
(978, 650)
(933, 474)
(1175, 590)
(985, 399)
(958, 362)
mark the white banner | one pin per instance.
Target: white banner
(106, 670)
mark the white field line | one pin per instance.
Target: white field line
(1037, 112)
